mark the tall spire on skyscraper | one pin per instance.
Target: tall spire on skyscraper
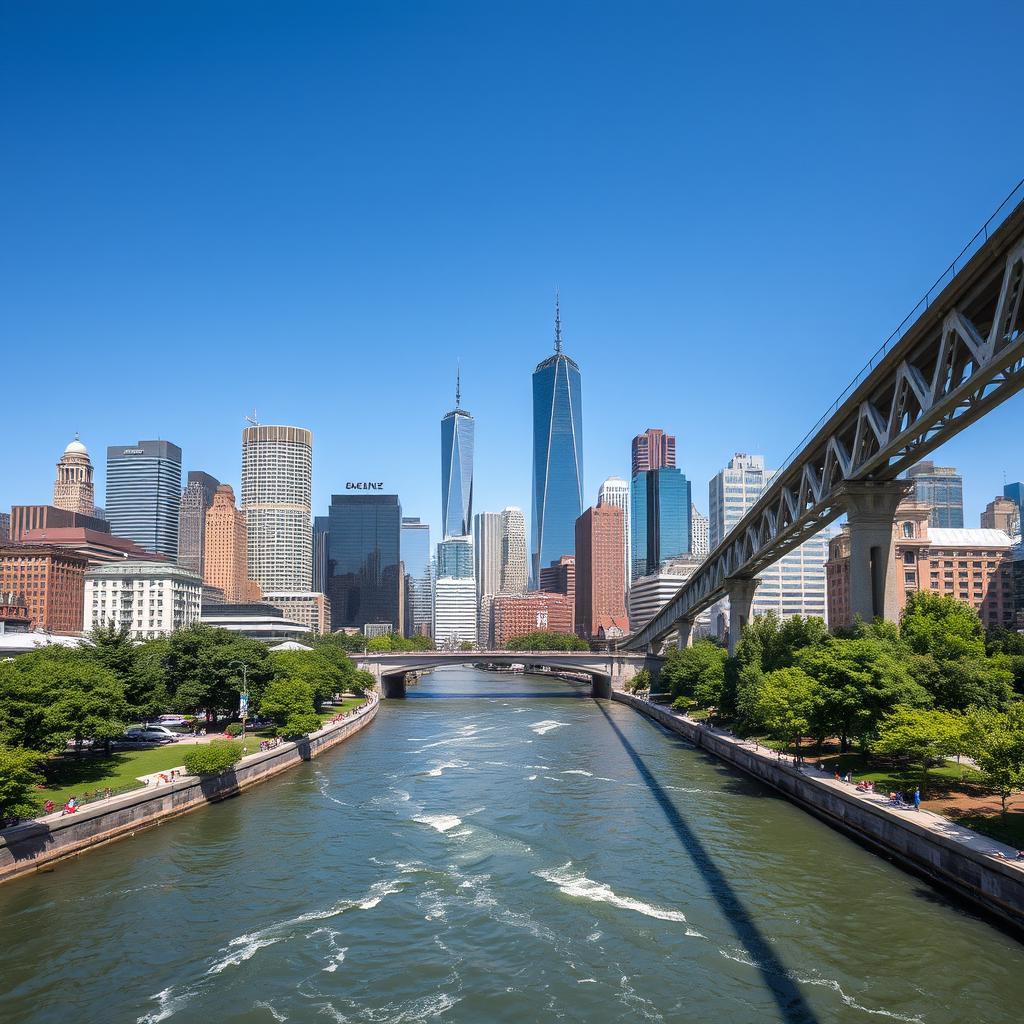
(558, 325)
(458, 386)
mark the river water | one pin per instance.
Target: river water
(498, 848)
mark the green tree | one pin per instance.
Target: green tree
(380, 644)
(923, 735)
(782, 704)
(641, 681)
(138, 667)
(773, 643)
(996, 742)
(361, 682)
(19, 776)
(548, 641)
(696, 672)
(941, 626)
(212, 758)
(321, 674)
(347, 643)
(960, 683)
(289, 702)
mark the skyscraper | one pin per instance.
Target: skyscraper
(1001, 514)
(455, 612)
(600, 574)
(195, 500)
(277, 482)
(698, 533)
(942, 488)
(653, 449)
(144, 494)
(457, 438)
(488, 531)
(364, 562)
(660, 525)
(73, 490)
(320, 530)
(455, 558)
(225, 560)
(513, 551)
(615, 491)
(557, 456)
(419, 577)
(1015, 492)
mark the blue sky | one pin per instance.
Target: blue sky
(316, 210)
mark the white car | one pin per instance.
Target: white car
(172, 720)
(151, 734)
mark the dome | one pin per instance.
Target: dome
(76, 448)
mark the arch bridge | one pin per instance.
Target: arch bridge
(608, 670)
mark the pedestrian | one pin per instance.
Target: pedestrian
(917, 799)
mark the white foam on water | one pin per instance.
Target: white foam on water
(275, 1013)
(574, 883)
(444, 766)
(539, 767)
(540, 728)
(463, 832)
(442, 822)
(578, 771)
(531, 778)
(248, 948)
(169, 1004)
(586, 981)
(339, 959)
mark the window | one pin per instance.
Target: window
(908, 558)
(908, 529)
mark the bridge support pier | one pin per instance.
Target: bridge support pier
(393, 686)
(741, 597)
(684, 633)
(871, 512)
(601, 687)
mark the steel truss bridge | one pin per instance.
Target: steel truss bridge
(958, 355)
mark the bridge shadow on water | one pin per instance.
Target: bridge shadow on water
(777, 979)
(582, 694)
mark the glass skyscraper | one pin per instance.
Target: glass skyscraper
(457, 437)
(455, 558)
(419, 583)
(557, 457)
(660, 523)
(941, 487)
(364, 560)
(144, 494)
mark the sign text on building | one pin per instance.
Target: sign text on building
(364, 486)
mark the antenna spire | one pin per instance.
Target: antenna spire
(558, 325)
(458, 385)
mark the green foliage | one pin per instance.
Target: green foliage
(923, 735)
(289, 702)
(234, 729)
(781, 704)
(212, 758)
(772, 643)
(996, 742)
(547, 641)
(696, 672)
(941, 626)
(19, 776)
(379, 644)
(641, 681)
(345, 643)
(137, 666)
(361, 682)
(397, 642)
(682, 704)
(963, 682)
(324, 676)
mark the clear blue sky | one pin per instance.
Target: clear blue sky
(315, 210)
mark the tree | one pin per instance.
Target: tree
(996, 742)
(361, 681)
(773, 643)
(321, 674)
(641, 681)
(697, 672)
(921, 734)
(18, 777)
(941, 626)
(289, 702)
(960, 683)
(88, 704)
(783, 704)
(212, 758)
(548, 641)
(138, 667)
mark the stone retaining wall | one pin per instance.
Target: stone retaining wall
(946, 854)
(30, 846)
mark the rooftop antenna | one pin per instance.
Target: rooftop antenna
(252, 419)
(558, 325)
(458, 386)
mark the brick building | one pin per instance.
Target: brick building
(600, 612)
(225, 555)
(49, 517)
(52, 580)
(560, 577)
(97, 547)
(516, 615)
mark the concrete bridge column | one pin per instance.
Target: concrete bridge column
(684, 631)
(871, 512)
(741, 597)
(393, 686)
(601, 686)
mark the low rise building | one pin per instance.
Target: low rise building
(150, 599)
(649, 594)
(51, 580)
(49, 517)
(308, 607)
(14, 616)
(97, 546)
(518, 615)
(255, 620)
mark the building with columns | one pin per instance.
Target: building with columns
(73, 488)
(149, 599)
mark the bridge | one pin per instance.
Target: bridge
(955, 357)
(607, 670)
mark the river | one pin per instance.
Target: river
(498, 848)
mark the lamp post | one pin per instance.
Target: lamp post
(244, 710)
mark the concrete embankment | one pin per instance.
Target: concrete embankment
(32, 845)
(946, 854)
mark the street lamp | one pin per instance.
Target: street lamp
(244, 702)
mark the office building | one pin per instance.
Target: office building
(419, 577)
(1015, 492)
(660, 503)
(51, 580)
(1001, 513)
(149, 599)
(97, 548)
(973, 566)
(311, 609)
(488, 534)
(195, 500)
(364, 562)
(5, 527)
(225, 559)
(516, 615)
(455, 612)
(942, 489)
(615, 491)
(455, 558)
(277, 480)
(698, 534)
(14, 615)
(485, 621)
(513, 551)
(73, 488)
(24, 518)
(560, 577)
(600, 574)
(557, 457)
(650, 594)
(144, 494)
(457, 439)
(320, 554)
(653, 449)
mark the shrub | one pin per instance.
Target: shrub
(234, 729)
(683, 703)
(300, 724)
(212, 758)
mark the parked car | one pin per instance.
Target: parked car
(151, 734)
(172, 720)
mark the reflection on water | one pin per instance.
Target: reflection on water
(496, 849)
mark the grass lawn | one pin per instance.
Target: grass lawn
(948, 778)
(1009, 829)
(345, 705)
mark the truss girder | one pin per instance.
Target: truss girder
(963, 357)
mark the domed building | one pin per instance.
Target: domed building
(73, 488)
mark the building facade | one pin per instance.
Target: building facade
(650, 594)
(277, 482)
(557, 457)
(457, 441)
(312, 609)
(51, 580)
(5, 527)
(256, 620)
(660, 501)
(699, 547)
(1001, 514)
(97, 548)
(1015, 493)
(149, 599)
(144, 494)
(455, 558)
(73, 488)
(514, 569)
(516, 615)
(24, 518)
(365, 581)
(653, 449)
(225, 559)
(560, 577)
(488, 534)
(600, 575)
(196, 498)
(942, 489)
(419, 577)
(973, 566)
(320, 531)
(455, 612)
(615, 491)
